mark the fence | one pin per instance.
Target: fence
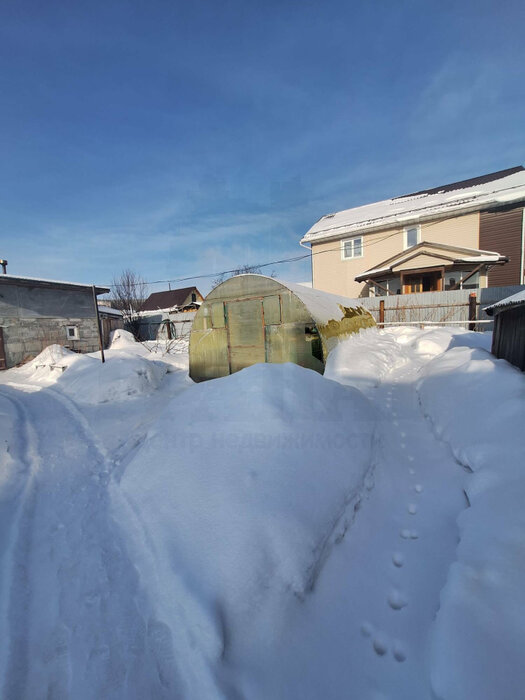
(440, 308)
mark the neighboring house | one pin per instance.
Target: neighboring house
(173, 298)
(508, 338)
(35, 313)
(169, 313)
(467, 234)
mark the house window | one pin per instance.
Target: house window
(412, 236)
(352, 248)
(72, 332)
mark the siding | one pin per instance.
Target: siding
(331, 274)
(501, 231)
(508, 341)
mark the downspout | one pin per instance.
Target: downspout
(311, 261)
(522, 271)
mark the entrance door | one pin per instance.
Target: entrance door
(3, 361)
(245, 333)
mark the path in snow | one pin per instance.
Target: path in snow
(76, 624)
(364, 632)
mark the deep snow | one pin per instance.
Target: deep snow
(273, 534)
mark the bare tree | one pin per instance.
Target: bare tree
(242, 270)
(128, 294)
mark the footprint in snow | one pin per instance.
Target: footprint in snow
(403, 445)
(411, 458)
(367, 630)
(409, 534)
(399, 651)
(380, 644)
(411, 472)
(412, 508)
(398, 559)
(403, 434)
(397, 600)
(396, 422)
(418, 488)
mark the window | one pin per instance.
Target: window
(72, 332)
(352, 248)
(412, 236)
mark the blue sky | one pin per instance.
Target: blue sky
(185, 138)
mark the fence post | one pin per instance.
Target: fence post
(381, 313)
(472, 311)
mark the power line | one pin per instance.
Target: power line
(283, 261)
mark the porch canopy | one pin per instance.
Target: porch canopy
(432, 267)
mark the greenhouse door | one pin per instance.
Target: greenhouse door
(245, 333)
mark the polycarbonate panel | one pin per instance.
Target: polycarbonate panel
(245, 323)
(208, 354)
(217, 314)
(272, 310)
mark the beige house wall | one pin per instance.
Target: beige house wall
(332, 273)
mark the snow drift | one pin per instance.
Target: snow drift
(239, 492)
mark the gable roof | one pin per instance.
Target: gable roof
(167, 299)
(455, 199)
(454, 254)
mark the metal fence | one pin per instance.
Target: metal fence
(456, 307)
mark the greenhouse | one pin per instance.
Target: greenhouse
(253, 318)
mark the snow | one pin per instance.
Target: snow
(518, 298)
(403, 210)
(271, 534)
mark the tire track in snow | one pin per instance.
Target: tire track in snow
(76, 610)
(16, 596)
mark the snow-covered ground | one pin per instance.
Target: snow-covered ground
(273, 534)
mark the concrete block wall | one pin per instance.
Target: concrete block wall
(25, 338)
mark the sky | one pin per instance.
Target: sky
(181, 139)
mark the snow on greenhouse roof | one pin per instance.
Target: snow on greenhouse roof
(502, 187)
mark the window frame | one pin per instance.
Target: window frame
(417, 227)
(75, 335)
(343, 250)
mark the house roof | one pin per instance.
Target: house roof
(514, 300)
(167, 299)
(39, 282)
(454, 254)
(455, 199)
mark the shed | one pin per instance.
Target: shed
(253, 318)
(35, 313)
(508, 338)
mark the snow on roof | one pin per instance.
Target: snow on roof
(40, 280)
(513, 300)
(322, 305)
(457, 198)
(109, 310)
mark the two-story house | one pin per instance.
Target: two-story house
(467, 234)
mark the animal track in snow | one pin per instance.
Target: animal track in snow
(411, 472)
(398, 559)
(397, 600)
(409, 534)
(403, 445)
(418, 488)
(367, 630)
(410, 458)
(380, 645)
(412, 508)
(403, 434)
(395, 422)
(398, 651)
